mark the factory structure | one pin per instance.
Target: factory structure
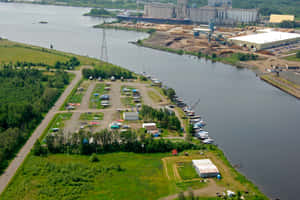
(266, 39)
(217, 12)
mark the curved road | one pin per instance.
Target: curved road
(18, 160)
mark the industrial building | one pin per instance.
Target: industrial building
(217, 11)
(266, 40)
(275, 19)
(205, 168)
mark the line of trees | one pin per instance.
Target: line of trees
(169, 92)
(106, 141)
(163, 117)
(106, 71)
(25, 94)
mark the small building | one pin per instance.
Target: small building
(151, 129)
(130, 116)
(205, 168)
(276, 19)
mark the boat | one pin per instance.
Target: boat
(208, 141)
(195, 117)
(199, 124)
(202, 135)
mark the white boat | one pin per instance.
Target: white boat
(208, 141)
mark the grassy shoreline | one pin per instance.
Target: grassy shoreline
(216, 150)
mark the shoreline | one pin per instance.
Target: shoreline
(221, 155)
(237, 64)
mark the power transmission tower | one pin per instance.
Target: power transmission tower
(104, 54)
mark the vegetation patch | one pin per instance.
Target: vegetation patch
(26, 95)
(91, 116)
(155, 97)
(95, 101)
(186, 170)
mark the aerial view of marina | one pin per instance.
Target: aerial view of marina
(166, 100)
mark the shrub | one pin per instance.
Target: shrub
(94, 158)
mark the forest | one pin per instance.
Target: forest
(163, 117)
(25, 95)
(105, 141)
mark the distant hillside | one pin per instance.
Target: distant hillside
(271, 6)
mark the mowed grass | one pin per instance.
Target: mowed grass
(187, 171)
(293, 58)
(95, 101)
(91, 116)
(155, 97)
(13, 51)
(141, 176)
(78, 94)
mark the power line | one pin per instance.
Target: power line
(104, 54)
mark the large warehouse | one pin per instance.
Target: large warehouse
(266, 40)
(205, 168)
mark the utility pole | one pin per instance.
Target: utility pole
(104, 54)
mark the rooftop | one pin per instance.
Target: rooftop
(281, 18)
(269, 37)
(205, 166)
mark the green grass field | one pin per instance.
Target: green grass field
(293, 58)
(95, 100)
(91, 116)
(58, 121)
(14, 51)
(187, 171)
(155, 97)
(74, 177)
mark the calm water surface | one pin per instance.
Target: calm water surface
(255, 124)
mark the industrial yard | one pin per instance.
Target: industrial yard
(265, 50)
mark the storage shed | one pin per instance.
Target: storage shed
(205, 168)
(130, 116)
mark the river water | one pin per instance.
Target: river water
(255, 124)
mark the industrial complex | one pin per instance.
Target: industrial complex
(266, 40)
(217, 11)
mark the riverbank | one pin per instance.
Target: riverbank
(161, 39)
(231, 178)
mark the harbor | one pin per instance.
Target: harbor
(239, 107)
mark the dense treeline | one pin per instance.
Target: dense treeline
(70, 64)
(106, 71)
(246, 57)
(100, 13)
(169, 92)
(163, 117)
(106, 142)
(25, 94)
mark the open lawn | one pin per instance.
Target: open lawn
(95, 101)
(155, 97)
(13, 51)
(186, 170)
(115, 176)
(293, 58)
(91, 116)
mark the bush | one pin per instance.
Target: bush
(94, 158)
(298, 54)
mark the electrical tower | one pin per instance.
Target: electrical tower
(104, 54)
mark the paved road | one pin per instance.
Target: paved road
(18, 160)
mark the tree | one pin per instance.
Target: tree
(94, 158)
(181, 196)
(298, 54)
